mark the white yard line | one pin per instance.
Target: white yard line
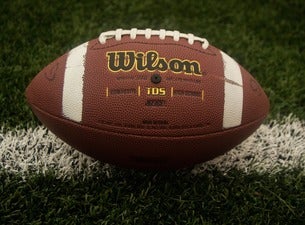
(274, 147)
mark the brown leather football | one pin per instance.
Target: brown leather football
(148, 99)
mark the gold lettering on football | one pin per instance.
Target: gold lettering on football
(125, 61)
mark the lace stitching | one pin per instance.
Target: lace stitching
(134, 32)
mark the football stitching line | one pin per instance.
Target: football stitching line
(147, 136)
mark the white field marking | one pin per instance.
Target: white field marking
(274, 147)
(27, 151)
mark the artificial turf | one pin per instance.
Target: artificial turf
(266, 37)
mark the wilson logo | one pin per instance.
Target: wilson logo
(150, 61)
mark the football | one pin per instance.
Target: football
(153, 99)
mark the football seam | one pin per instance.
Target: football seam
(261, 118)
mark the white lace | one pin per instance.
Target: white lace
(176, 35)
